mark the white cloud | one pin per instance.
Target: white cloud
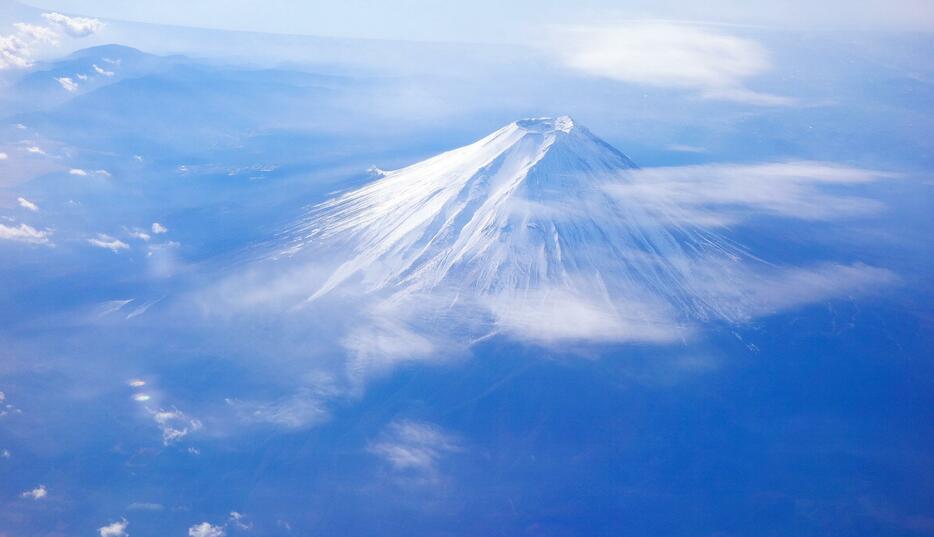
(26, 204)
(663, 54)
(24, 233)
(84, 173)
(139, 234)
(3, 156)
(136, 383)
(307, 407)
(14, 52)
(102, 71)
(238, 521)
(16, 49)
(414, 446)
(158, 228)
(5, 454)
(82, 76)
(554, 315)
(114, 529)
(720, 194)
(35, 33)
(35, 150)
(74, 26)
(141, 397)
(206, 529)
(108, 242)
(36, 494)
(174, 424)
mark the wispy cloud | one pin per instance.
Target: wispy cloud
(719, 194)
(238, 520)
(174, 424)
(25, 233)
(300, 410)
(713, 64)
(106, 241)
(74, 26)
(139, 234)
(36, 494)
(114, 529)
(145, 506)
(26, 204)
(84, 173)
(415, 447)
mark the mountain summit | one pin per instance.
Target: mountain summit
(532, 208)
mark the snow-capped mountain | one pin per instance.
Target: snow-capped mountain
(528, 212)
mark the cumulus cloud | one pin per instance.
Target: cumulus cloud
(67, 84)
(74, 26)
(36, 494)
(713, 64)
(206, 529)
(36, 33)
(26, 204)
(14, 52)
(16, 49)
(25, 233)
(3, 156)
(411, 446)
(35, 150)
(720, 194)
(158, 228)
(106, 241)
(114, 529)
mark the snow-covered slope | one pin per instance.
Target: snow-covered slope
(529, 209)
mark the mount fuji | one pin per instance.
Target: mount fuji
(527, 222)
(534, 227)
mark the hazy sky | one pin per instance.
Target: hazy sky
(494, 20)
